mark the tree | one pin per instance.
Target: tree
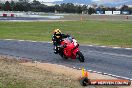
(91, 10)
(69, 8)
(36, 6)
(12, 5)
(7, 6)
(23, 1)
(78, 9)
(124, 7)
(57, 8)
(62, 7)
(0, 6)
(84, 8)
(19, 7)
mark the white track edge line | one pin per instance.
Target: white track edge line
(112, 75)
(84, 45)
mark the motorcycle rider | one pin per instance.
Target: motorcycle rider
(57, 38)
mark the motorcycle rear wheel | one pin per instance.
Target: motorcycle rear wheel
(80, 56)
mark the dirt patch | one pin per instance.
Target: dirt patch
(15, 75)
(75, 74)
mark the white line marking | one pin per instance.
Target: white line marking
(111, 54)
(90, 45)
(109, 74)
(128, 48)
(116, 47)
(99, 72)
(107, 47)
(112, 75)
(26, 40)
(21, 40)
(89, 70)
(105, 73)
(125, 77)
(118, 76)
(74, 67)
(103, 46)
(33, 41)
(79, 68)
(8, 39)
(84, 45)
(95, 71)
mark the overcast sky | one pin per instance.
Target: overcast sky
(99, 1)
(103, 1)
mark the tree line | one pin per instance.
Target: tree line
(36, 6)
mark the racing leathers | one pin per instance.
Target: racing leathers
(57, 41)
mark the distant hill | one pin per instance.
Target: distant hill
(106, 3)
(116, 3)
(75, 1)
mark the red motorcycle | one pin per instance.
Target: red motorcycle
(70, 49)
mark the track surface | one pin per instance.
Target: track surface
(107, 60)
(26, 18)
(71, 18)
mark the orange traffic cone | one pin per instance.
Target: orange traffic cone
(86, 74)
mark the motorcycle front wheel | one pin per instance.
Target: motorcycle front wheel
(80, 56)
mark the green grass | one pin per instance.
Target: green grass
(112, 33)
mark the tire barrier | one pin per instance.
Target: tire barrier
(8, 15)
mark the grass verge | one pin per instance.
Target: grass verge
(15, 75)
(111, 33)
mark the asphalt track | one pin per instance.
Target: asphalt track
(116, 61)
(24, 18)
(71, 18)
